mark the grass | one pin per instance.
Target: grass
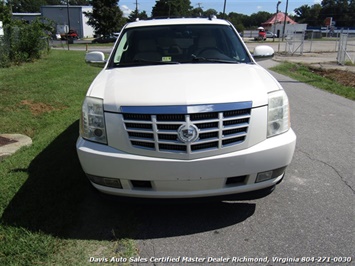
(349, 63)
(304, 74)
(50, 214)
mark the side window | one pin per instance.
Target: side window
(235, 46)
(122, 47)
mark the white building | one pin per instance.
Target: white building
(72, 17)
(26, 16)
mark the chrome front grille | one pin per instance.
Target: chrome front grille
(152, 128)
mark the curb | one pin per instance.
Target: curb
(12, 143)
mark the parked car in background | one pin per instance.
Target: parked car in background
(270, 34)
(261, 35)
(105, 39)
(181, 109)
(72, 34)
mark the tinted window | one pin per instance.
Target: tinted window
(179, 44)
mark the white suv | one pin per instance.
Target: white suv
(182, 110)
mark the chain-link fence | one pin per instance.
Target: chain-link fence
(346, 51)
(298, 43)
(21, 43)
(294, 43)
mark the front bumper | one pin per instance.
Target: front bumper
(172, 178)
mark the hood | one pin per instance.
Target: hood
(183, 84)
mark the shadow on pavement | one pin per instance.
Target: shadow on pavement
(57, 199)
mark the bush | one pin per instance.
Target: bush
(23, 42)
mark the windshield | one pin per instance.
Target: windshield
(175, 44)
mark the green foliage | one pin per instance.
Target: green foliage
(196, 12)
(5, 13)
(237, 20)
(169, 8)
(342, 12)
(339, 10)
(309, 14)
(23, 42)
(305, 74)
(137, 15)
(106, 17)
(209, 12)
(22, 6)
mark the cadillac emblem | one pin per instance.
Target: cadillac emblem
(188, 133)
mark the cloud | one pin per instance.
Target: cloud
(259, 7)
(126, 11)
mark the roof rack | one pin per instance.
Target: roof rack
(210, 17)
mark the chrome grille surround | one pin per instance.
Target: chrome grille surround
(155, 128)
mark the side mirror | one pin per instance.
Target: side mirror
(95, 59)
(263, 52)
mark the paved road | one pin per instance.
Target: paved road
(310, 214)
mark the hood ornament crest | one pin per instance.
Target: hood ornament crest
(188, 133)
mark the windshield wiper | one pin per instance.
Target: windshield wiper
(197, 59)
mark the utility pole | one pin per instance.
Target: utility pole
(136, 9)
(284, 28)
(68, 23)
(224, 8)
(277, 12)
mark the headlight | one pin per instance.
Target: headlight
(92, 124)
(278, 113)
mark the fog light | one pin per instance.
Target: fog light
(263, 176)
(270, 174)
(105, 181)
(98, 132)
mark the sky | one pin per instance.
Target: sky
(246, 7)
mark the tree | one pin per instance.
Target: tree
(181, 8)
(172, 8)
(23, 6)
(309, 15)
(161, 9)
(314, 18)
(256, 19)
(106, 17)
(197, 12)
(352, 11)
(5, 13)
(80, 2)
(339, 10)
(71, 2)
(237, 21)
(210, 12)
(344, 16)
(135, 14)
(302, 13)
